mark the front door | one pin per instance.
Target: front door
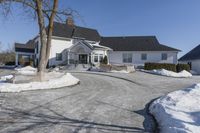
(83, 58)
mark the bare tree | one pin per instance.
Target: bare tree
(45, 11)
(1, 47)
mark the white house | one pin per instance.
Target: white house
(138, 49)
(193, 59)
(73, 44)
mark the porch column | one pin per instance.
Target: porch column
(88, 58)
(68, 57)
(16, 59)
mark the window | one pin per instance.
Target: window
(164, 56)
(143, 56)
(127, 57)
(58, 56)
(96, 58)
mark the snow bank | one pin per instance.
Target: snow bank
(178, 111)
(28, 70)
(182, 74)
(52, 83)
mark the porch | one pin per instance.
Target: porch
(24, 54)
(85, 53)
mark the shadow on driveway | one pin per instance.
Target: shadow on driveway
(28, 121)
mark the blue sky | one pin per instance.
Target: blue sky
(176, 23)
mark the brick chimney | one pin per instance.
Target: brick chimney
(70, 21)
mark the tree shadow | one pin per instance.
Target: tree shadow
(149, 123)
(28, 121)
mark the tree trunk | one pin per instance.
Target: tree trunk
(43, 36)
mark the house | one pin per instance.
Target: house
(192, 58)
(138, 49)
(72, 44)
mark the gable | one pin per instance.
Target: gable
(192, 55)
(66, 31)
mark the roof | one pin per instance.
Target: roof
(135, 43)
(66, 31)
(27, 48)
(192, 55)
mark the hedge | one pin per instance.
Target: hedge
(181, 67)
(170, 67)
(151, 66)
(105, 60)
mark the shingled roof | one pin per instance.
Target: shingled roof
(192, 55)
(27, 48)
(66, 31)
(135, 43)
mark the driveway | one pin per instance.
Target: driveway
(104, 103)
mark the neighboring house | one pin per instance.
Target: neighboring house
(73, 44)
(193, 59)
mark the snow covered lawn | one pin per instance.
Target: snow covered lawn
(179, 111)
(182, 74)
(53, 80)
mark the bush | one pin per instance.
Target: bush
(105, 60)
(10, 63)
(151, 66)
(181, 67)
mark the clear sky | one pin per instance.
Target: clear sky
(176, 23)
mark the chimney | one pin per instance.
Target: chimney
(70, 21)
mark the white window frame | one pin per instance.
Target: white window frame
(127, 58)
(97, 57)
(57, 58)
(144, 56)
(164, 56)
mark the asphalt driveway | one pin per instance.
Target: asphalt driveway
(101, 103)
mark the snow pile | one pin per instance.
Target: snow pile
(5, 78)
(28, 70)
(121, 71)
(179, 111)
(182, 74)
(97, 69)
(52, 83)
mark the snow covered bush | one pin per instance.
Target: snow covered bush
(182, 74)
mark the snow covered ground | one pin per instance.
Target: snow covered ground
(28, 70)
(53, 80)
(179, 111)
(182, 74)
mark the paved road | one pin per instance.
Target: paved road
(112, 103)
